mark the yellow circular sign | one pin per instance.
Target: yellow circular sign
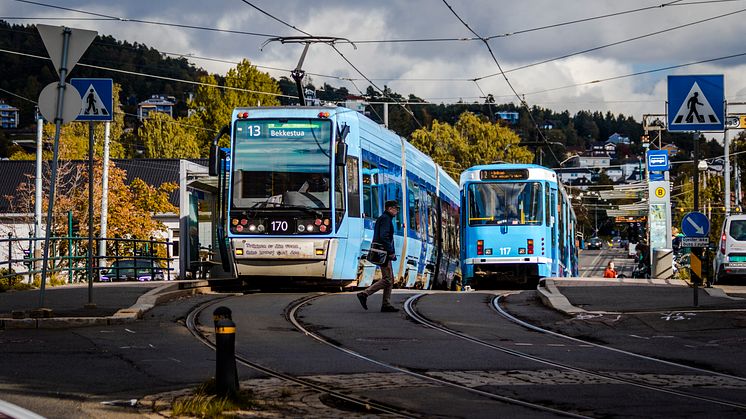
(660, 192)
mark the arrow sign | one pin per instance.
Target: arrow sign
(698, 228)
(695, 224)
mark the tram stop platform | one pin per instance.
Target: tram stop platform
(68, 305)
(573, 296)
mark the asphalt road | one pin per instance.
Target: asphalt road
(76, 373)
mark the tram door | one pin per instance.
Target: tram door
(553, 243)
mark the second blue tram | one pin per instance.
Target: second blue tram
(304, 187)
(517, 225)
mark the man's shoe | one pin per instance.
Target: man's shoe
(363, 299)
(389, 309)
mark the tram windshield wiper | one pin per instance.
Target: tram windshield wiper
(308, 210)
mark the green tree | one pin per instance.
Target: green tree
(166, 138)
(473, 140)
(214, 105)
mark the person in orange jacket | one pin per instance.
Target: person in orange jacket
(610, 272)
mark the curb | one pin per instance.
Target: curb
(144, 303)
(718, 292)
(552, 298)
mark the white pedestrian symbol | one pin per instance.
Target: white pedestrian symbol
(92, 103)
(695, 109)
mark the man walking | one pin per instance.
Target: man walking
(383, 234)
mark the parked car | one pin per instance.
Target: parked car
(132, 269)
(730, 258)
(595, 243)
(616, 241)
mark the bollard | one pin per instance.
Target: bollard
(221, 312)
(226, 374)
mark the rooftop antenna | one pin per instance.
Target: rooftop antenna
(297, 74)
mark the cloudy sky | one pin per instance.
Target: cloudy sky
(645, 37)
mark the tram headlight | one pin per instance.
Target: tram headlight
(252, 228)
(301, 228)
(260, 228)
(309, 228)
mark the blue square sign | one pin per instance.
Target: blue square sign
(657, 160)
(98, 99)
(696, 103)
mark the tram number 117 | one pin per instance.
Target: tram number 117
(505, 251)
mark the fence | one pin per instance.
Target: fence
(68, 259)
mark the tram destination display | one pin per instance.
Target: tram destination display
(504, 174)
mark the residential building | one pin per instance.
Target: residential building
(572, 174)
(595, 161)
(8, 116)
(616, 174)
(617, 138)
(156, 103)
(509, 117)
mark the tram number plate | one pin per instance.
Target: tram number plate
(281, 227)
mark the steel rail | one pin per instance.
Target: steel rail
(368, 405)
(409, 307)
(292, 317)
(496, 306)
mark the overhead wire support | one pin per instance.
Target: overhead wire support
(297, 73)
(334, 47)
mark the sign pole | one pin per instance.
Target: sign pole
(91, 141)
(726, 170)
(55, 154)
(695, 250)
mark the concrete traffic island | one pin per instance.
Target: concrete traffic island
(573, 296)
(21, 313)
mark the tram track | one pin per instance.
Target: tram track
(365, 405)
(410, 308)
(292, 316)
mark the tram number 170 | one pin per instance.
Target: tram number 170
(279, 226)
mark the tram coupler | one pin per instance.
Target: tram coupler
(226, 374)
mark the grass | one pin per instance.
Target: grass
(204, 403)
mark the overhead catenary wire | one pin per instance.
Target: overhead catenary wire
(620, 42)
(510, 85)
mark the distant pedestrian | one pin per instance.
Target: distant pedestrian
(383, 235)
(610, 272)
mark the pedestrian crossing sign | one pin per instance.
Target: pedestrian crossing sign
(696, 103)
(98, 99)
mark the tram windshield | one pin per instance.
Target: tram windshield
(282, 164)
(505, 203)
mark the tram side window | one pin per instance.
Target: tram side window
(413, 204)
(353, 187)
(371, 190)
(432, 218)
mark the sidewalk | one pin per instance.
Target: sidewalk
(116, 303)
(573, 296)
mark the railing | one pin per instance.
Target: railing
(124, 259)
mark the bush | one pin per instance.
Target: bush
(8, 279)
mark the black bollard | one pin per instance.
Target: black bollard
(226, 374)
(221, 312)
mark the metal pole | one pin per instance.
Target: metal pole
(53, 178)
(38, 191)
(386, 115)
(70, 252)
(695, 250)
(726, 144)
(104, 198)
(89, 271)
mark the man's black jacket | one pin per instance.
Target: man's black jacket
(383, 232)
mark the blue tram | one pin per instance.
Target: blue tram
(517, 225)
(304, 188)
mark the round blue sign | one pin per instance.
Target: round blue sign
(695, 224)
